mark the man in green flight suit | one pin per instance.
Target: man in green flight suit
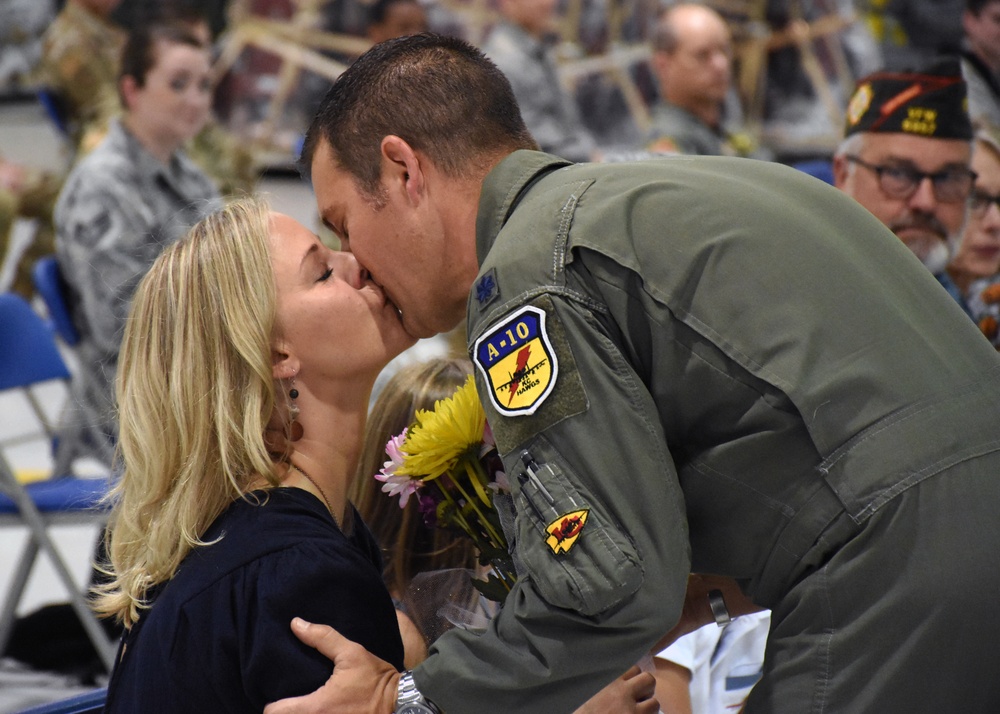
(709, 365)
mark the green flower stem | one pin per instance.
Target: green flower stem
(497, 538)
(497, 542)
(463, 523)
(457, 511)
(474, 469)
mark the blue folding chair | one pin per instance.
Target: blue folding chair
(29, 357)
(54, 105)
(88, 703)
(818, 168)
(50, 285)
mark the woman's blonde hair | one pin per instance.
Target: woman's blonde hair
(408, 546)
(195, 393)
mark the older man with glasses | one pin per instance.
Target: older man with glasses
(906, 158)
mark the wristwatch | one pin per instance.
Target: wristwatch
(719, 610)
(409, 700)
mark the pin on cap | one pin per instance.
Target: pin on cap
(932, 102)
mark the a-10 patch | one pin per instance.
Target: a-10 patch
(518, 362)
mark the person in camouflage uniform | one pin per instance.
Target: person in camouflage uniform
(134, 194)
(27, 193)
(81, 57)
(81, 52)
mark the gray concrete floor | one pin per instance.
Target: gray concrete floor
(27, 136)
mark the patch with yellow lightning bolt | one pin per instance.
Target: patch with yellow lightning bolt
(517, 360)
(564, 530)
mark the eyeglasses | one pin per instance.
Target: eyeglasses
(950, 186)
(980, 202)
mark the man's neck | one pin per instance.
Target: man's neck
(708, 112)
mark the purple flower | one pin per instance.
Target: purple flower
(393, 484)
(427, 504)
(394, 450)
(501, 484)
(401, 486)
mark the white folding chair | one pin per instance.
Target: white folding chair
(28, 358)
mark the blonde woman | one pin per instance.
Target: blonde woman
(978, 254)
(215, 543)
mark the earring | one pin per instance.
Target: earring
(295, 430)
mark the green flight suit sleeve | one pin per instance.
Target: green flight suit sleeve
(589, 597)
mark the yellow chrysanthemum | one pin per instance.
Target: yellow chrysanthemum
(440, 437)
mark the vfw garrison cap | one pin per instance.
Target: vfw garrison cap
(931, 103)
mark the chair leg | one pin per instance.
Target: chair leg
(98, 637)
(43, 541)
(105, 647)
(21, 573)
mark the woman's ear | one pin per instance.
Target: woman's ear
(129, 87)
(402, 168)
(284, 365)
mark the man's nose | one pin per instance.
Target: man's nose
(923, 199)
(348, 269)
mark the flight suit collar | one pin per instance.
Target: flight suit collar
(503, 188)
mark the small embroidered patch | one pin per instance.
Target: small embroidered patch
(564, 530)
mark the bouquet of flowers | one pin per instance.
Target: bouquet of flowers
(448, 460)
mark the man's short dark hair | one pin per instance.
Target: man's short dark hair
(439, 94)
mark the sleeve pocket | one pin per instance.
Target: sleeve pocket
(577, 559)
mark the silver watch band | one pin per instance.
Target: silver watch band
(409, 698)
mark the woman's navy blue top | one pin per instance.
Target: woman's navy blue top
(217, 636)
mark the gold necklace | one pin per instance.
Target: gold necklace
(321, 492)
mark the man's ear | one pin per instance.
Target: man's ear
(402, 168)
(284, 365)
(660, 62)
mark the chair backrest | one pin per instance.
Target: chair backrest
(50, 285)
(818, 168)
(28, 354)
(88, 703)
(55, 107)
